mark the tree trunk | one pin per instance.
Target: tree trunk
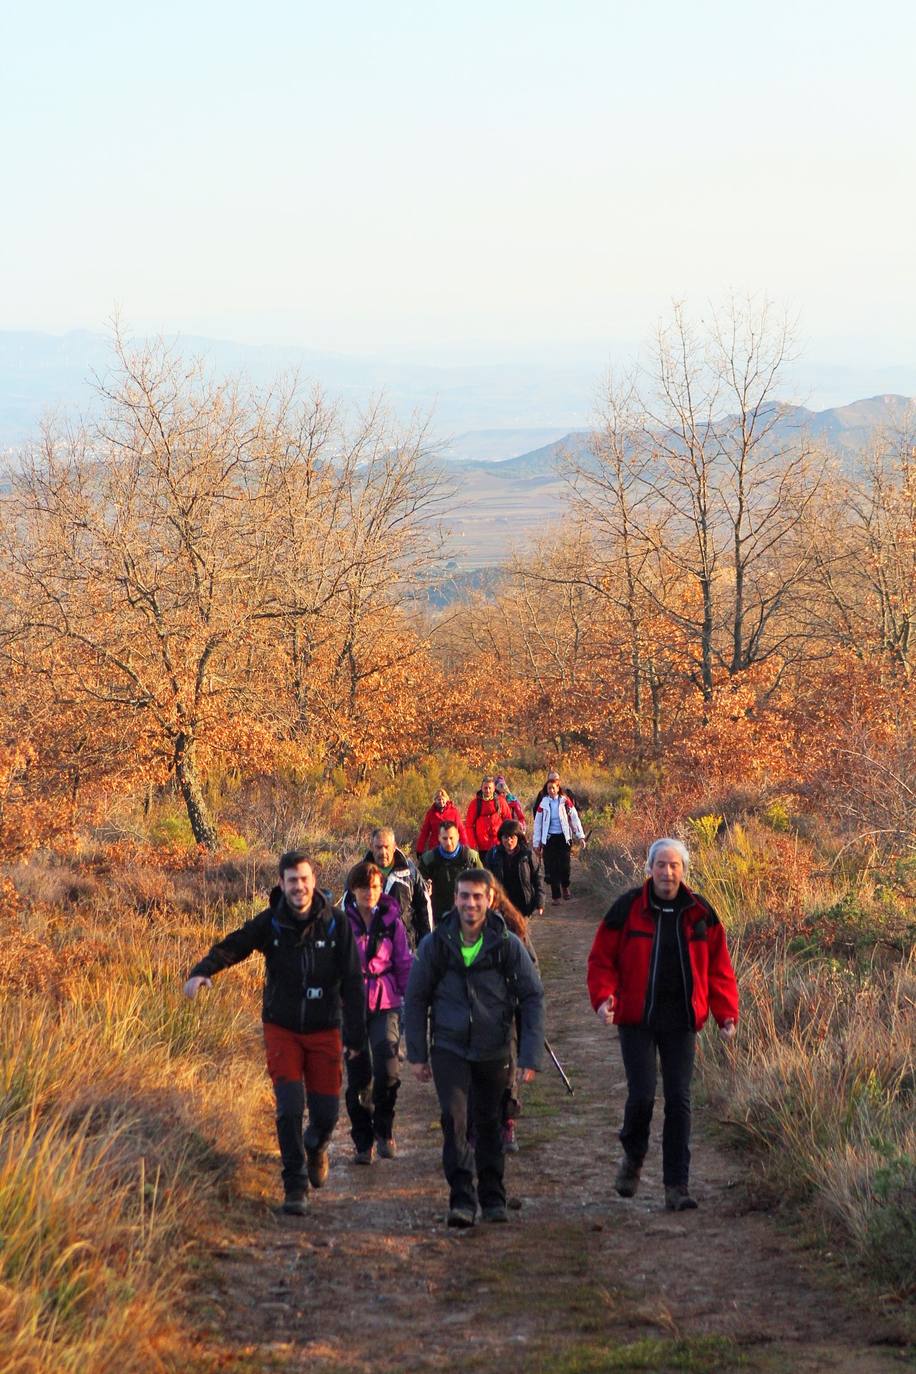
(202, 825)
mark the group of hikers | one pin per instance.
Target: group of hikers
(439, 951)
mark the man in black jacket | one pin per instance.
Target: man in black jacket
(470, 977)
(401, 881)
(444, 865)
(312, 973)
(512, 863)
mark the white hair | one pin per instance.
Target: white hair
(667, 843)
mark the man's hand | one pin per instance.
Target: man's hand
(422, 1072)
(528, 1075)
(728, 1031)
(605, 1013)
(538, 912)
(193, 986)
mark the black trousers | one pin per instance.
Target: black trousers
(373, 1078)
(557, 855)
(640, 1046)
(454, 1078)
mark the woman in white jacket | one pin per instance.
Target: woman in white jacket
(556, 825)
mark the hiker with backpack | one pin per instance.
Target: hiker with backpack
(516, 810)
(443, 809)
(658, 966)
(441, 867)
(516, 922)
(556, 826)
(470, 977)
(486, 813)
(517, 868)
(312, 980)
(402, 881)
(372, 1075)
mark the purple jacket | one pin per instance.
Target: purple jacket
(383, 952)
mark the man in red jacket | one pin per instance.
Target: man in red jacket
(658, 966)
(486, 814)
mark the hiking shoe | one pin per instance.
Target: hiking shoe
(387, 1149)
(363, 1156)
(678, 1199)
(510, 1144)
(462, 1217)
(627, 1178)
(295, 1205)
(318, 1167)
(567, 895)
(496, 1213)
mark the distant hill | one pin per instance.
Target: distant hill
(45, 372)
(506, 504)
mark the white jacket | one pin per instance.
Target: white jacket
(569, 820)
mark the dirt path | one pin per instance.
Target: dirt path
(580, 1281)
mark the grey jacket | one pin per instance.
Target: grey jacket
(471, 1011)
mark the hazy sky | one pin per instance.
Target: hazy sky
(422, 178)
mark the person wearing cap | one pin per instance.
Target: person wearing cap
(516, 811)
(659, 965)
(556, 826)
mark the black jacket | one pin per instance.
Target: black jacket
(311, 967)
(405, 884)
(471, 1011)
(520, 874)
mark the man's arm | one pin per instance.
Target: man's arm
(352, 988)
(416, 1003)
(530, 993)
(232, 949)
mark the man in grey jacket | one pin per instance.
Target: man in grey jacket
(469, 979)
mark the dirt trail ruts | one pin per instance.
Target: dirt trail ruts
(372, 1280)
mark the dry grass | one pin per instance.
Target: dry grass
(122, 1106)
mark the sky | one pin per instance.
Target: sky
(462, 181)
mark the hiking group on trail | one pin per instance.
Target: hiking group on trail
(441, 950)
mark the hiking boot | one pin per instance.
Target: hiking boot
(295, 1204)
(627, 1178)
(363, 1156)
(387, 1149)
(555, 894)
(567, 895)
(462, 1217)
(318, 1167)
(678, 1199)
(496, 1213)
(510, 1144)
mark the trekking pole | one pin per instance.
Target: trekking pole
(559, 1067)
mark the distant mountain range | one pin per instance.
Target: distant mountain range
(488, 413)
(500, 430)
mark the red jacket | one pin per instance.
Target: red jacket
(620, 963)
(483, 821)
(428, 837)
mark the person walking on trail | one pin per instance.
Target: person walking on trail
(442, 866)
(468, 980)
(401, 881)
(658, 966)
(516, 867)
(485, 815)
(512, 1106)
(552, 776)
(516, 810)
(443, 809)
(312, 980)
(372, 1075)
(556, 826)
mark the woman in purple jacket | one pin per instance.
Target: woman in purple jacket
(372, 1075)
